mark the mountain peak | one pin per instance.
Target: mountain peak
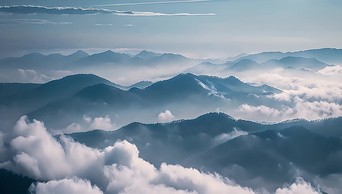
(147, 54)
(234, 80)
(79, 53)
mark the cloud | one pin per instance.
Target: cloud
(73, 185)
(193, 180)
(29, 21)
(153, 2)
(165, 116)
(224, 137)
(31, 151)
(313, 96)
(261, 112)
(32, 9)
(34, 151)
(299, 187)
(103, 24)
(300, 109)
(103, 123)
(331, 70)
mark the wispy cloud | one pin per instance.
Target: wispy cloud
(29, 21)
(152, 2)
(31, 9)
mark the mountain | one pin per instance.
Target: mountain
(13, 183)
(9, 89)
(147, 54)
(275, 156)
(251, 153)
(108, 94)
(297, 63)
(32, 99)
(105, 57)
(176, 88)
(182, 138)
(141, 84)
(243, 65)
(181, 93)
(327, 55)
(79, 54)
(40, 62)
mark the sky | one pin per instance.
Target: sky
(194, 28)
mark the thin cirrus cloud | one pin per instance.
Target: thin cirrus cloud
(5, 22)
(31, 9)
(152, 2)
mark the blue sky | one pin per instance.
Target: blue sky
(197, 28)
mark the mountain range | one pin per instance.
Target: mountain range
(251, 153)
(180, 93)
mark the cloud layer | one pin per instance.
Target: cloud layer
(70, 167)
(32, 9)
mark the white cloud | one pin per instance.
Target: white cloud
(103, 123)
(32, 9)
(34, 151)
(118, 168)
(193, 180)
(313, 96)
(70, 167)
(257, 113)
(153, 2)
(227, 136)
(165, 116)
(73, 185)
(299, 187)
(331, 70)
(87, 119)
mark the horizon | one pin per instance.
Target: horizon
(196, 29)
(136, 52)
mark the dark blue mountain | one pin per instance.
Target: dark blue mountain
(40, 96)
(9, 89)
(108, 94)
(268, 154)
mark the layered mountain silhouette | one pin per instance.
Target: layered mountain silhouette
(244, 150)
(327, 55)
(182, 92)
(17, 99)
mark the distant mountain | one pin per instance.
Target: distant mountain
(141, 84)
(297, 63)
(207, 68)
(78, 55)
(327, 55)
(39, 62)
(243, 65)
(37, 97)
(105, 57)
(182, 92)
(147, 54)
